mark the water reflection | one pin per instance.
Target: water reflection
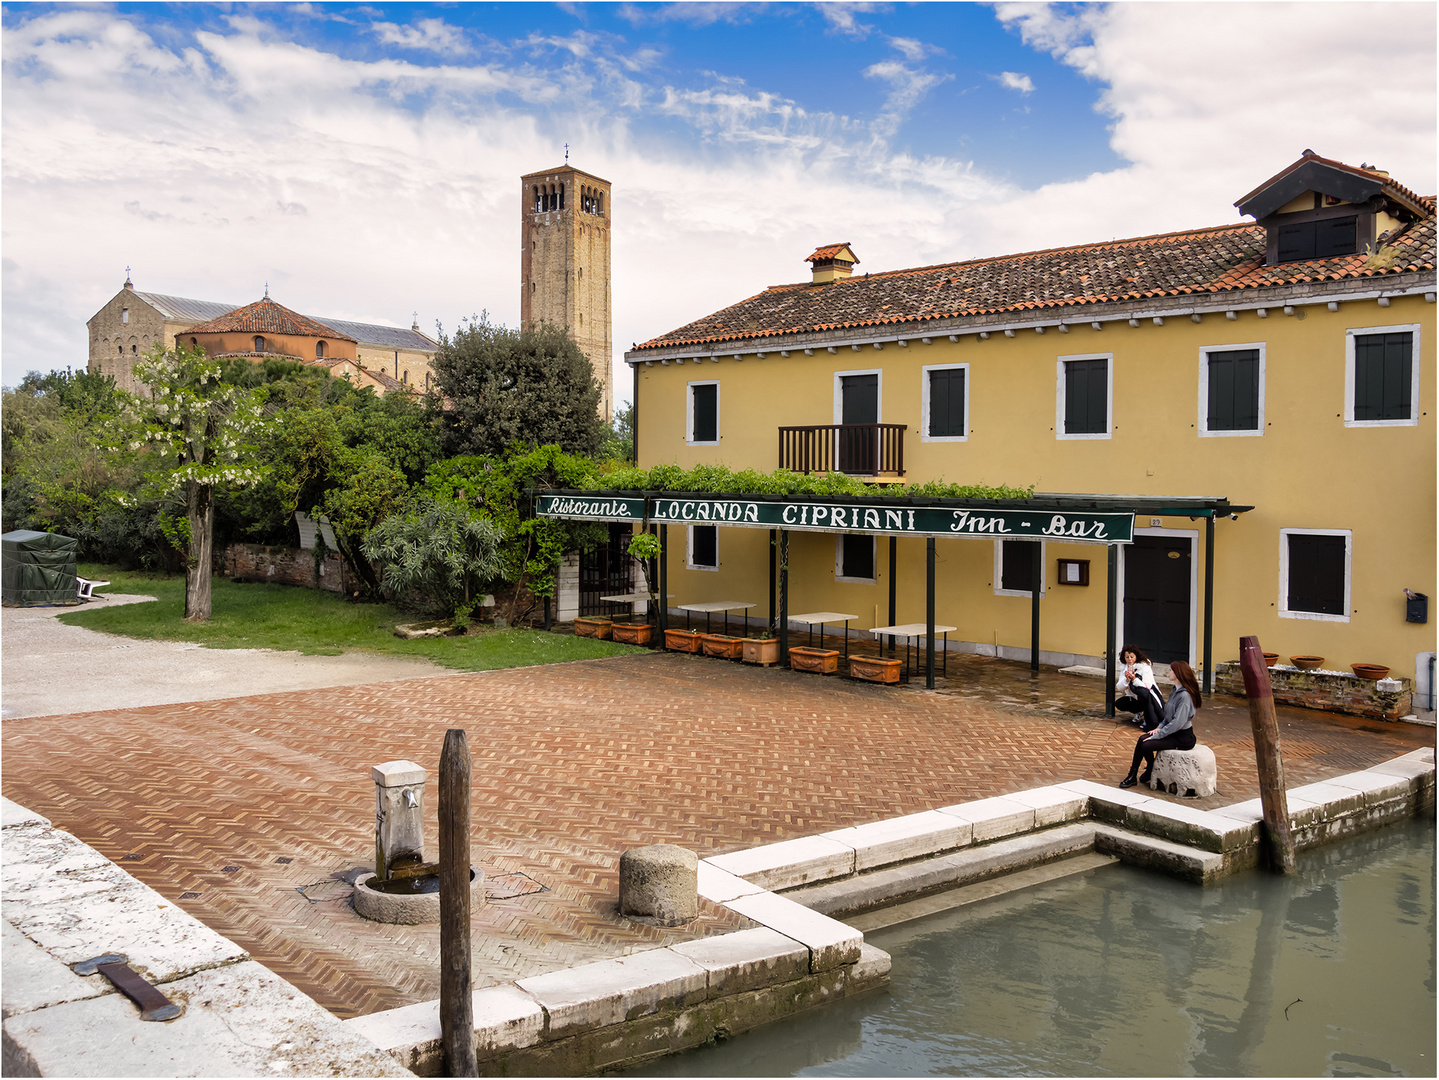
(1124, 973)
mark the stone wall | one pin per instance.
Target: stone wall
(284, 566)
(1331, 691)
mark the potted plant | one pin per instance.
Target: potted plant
(721, 646)
(683, 640)
(1370, 671)
(874, 669)
(1306, 663)
(763, 650)
(593, 626)
(820, 661)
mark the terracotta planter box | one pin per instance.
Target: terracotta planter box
(682, 641)
(874, 669)
(595, 628)
(631, 633)
(820, 661)
(721, 646)
(763, 651)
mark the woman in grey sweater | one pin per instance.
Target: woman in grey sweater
(1176, 726)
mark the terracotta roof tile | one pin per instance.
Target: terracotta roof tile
(267, 317)
(1225, 258)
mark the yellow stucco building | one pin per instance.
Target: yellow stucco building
(1284, 364)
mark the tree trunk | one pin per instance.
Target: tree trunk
(200, 510)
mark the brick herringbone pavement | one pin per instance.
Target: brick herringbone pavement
(247, 811)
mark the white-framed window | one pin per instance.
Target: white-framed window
(859, 393)
(702, 413)
(702, 547)
(1314, 573)
(944, 403)
(1231, 390)
(1381, 376)
(1014, 567)
(855, 558)
(1085, 396)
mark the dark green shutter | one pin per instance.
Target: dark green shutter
(1016, 560)
(1086, 397)
(1316, 574)
(1234, 390)
(946, 402)
(1383, 376)
(706, 412)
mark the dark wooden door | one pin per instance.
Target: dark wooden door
(859, 404)
(1157, 581)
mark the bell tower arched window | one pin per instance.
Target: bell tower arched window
(259, 343)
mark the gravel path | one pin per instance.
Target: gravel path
(50, 668)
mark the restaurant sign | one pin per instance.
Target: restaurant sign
(819, 515)
(592, 507)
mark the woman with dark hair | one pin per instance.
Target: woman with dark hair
(1141, 692)
(1176, 726)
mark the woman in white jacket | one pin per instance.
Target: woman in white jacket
(1140, 692)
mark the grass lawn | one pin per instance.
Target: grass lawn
(316, 623)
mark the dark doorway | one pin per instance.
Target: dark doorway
(605, 571)
(1157, 581)
(859, 404)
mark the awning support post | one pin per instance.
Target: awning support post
(929, 613)
(1111, 630)
(893, 564)
(1036, 569)
(664, 583)
(772, 538)
(783, 595)
(1208, 602)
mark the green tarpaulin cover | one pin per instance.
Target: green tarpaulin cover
(39, 568)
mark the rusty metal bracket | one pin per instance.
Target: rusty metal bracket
(114, 966)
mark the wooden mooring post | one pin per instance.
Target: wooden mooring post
(457, 1021)
(1265, 725)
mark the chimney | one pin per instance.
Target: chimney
(833, 262)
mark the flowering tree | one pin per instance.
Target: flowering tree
(202, 434)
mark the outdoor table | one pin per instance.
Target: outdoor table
(715, 605)
(911, 631)
(819, 618)
(630, 598)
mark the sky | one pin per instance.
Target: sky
(363, 161)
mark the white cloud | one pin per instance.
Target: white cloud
(372, 188)
(841, 17)
(1013, 80)
(430, 35)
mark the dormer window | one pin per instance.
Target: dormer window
(1322, 239)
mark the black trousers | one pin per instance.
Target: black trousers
(1144, 701)
(1146, 748)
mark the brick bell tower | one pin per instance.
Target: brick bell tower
(565, 263)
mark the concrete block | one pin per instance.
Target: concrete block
(1377, 787)
(1190, 825)
(993, 818)
(1053, 805)
(830, 943)
(13, 814)
(879, 843)
(1107, 803)
(870, 970)
(746, 960)
(789, 862)
(239, 1020)
(505, 1017)
(1417, 774)
(1200, 867)
(659, 884)
(1251, 811)
(1329, 800)
(36, 980)
(43, 862)
(720, 886)
(397, 774)
(612, 991)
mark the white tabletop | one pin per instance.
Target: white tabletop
(717, 605)
(816, 617)
(630, 597)
(910, 629)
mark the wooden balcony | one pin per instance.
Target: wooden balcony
(854, 449)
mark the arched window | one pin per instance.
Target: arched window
(135, 349)
(405, 377)
(120, 349)
(194, 344)
(259, 343)
(124, 315)
(319, 350)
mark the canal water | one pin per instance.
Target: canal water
(1125, 972)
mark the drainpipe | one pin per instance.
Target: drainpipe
(1431, 682)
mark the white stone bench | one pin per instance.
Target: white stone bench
(1185, 772)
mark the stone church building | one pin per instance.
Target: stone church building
(134, 322)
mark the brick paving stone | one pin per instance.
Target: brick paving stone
(572, 764)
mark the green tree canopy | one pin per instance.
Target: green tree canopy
(503, 386)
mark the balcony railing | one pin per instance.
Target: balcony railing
(855, 449)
